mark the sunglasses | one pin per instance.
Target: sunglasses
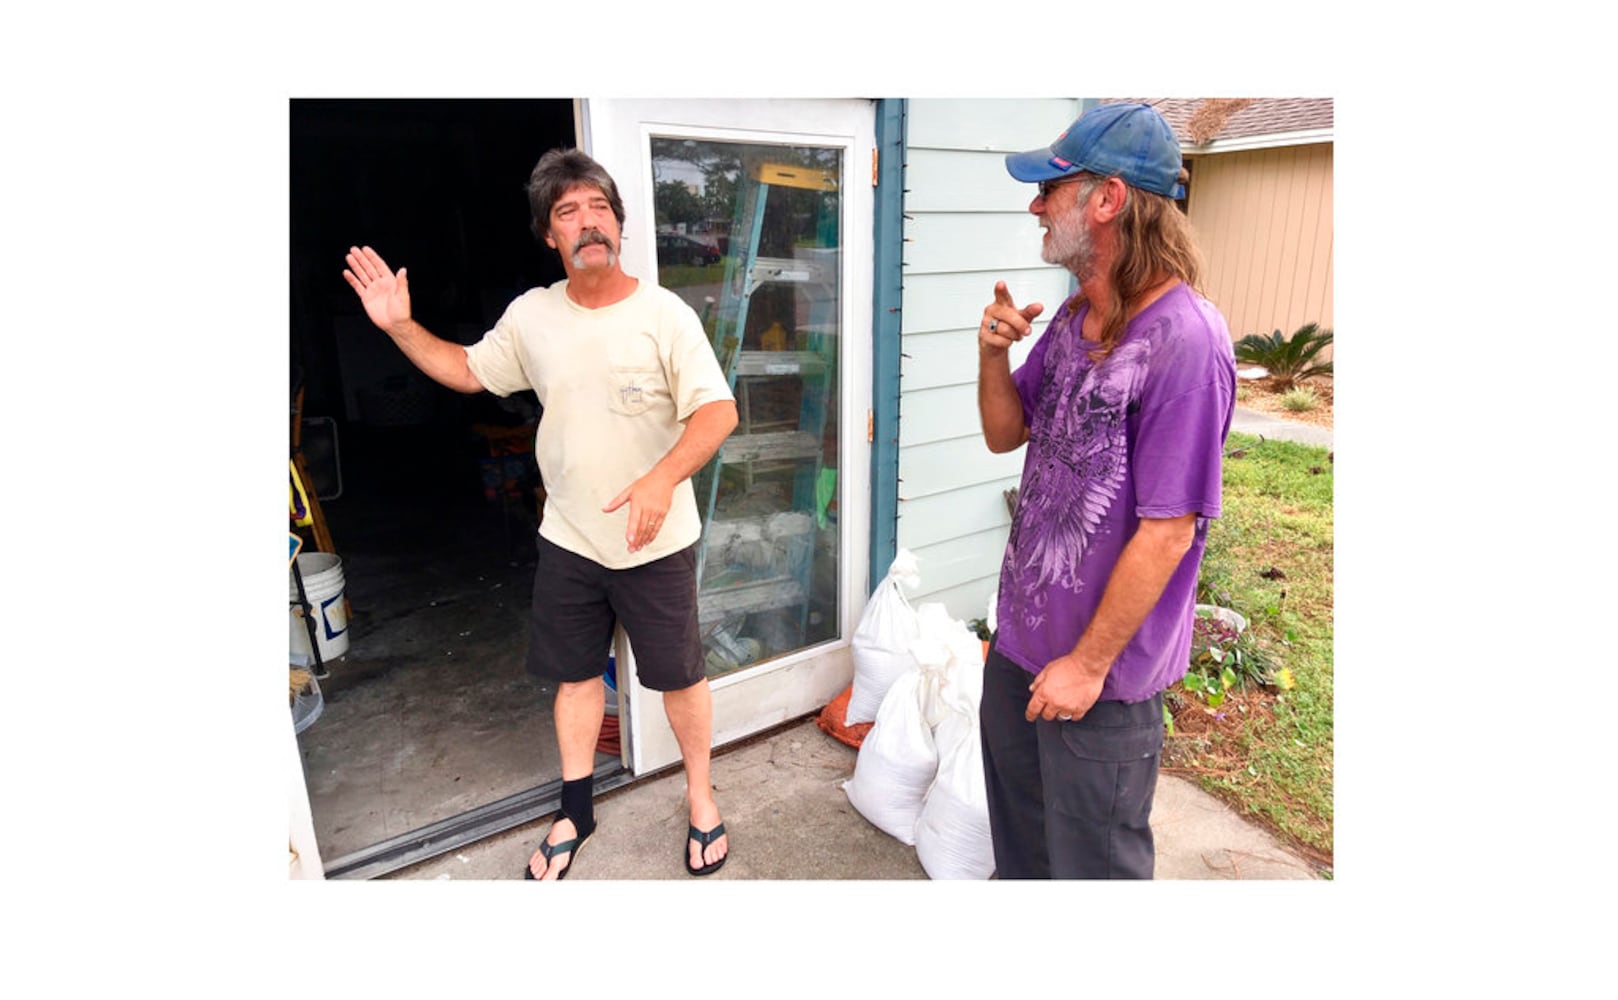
(1046, 187)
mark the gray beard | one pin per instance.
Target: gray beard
(1072, 247)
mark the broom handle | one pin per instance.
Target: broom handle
(309, 622)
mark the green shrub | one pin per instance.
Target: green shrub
(1299, 401)
(1288, 360)
(1224, 657)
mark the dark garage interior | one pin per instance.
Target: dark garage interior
(427, 725)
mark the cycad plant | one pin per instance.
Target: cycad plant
(1288, 360)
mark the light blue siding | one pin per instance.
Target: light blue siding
(992, 125)
(941, 466)
(950, 358)
(966, 226)
(939, 414)
(955, 300)
(938, 517)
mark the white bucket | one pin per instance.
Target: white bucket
(323, 584)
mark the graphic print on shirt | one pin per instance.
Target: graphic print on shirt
(632, 389)
(1078, 462)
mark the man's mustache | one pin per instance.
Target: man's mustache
(590, 236)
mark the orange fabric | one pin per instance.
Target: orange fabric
(607, 742)
(833, 721)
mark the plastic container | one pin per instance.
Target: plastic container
(307, 706)
(323, 585)
(611, 678)
(1234, 619)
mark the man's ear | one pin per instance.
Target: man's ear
(1114, 192)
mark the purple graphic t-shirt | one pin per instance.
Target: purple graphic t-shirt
(1140, 435)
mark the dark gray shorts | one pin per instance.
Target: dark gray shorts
(577, 601)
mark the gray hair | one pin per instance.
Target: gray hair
(558, 171)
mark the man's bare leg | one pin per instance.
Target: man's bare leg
(579, 708)
(690, 713)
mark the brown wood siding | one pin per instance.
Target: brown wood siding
(1264, 221)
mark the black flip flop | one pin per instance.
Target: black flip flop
(704, 839)
(548, 851)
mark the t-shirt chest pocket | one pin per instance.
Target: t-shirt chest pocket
(633, 390)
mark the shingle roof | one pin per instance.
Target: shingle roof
(1246, 118)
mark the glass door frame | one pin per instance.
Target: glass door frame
(618, 134)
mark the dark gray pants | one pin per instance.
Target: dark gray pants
(1068, 799)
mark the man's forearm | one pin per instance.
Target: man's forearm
(440, 360)
(999, 405)
(705, 431)
(1137, 581)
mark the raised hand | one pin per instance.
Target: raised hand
(1003, 323)
(386, 297)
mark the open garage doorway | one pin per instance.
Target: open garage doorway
(429, 733)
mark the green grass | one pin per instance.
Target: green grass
(1278, 517)
(682, 275)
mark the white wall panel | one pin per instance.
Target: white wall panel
(1004, 125)
(949, 411)
(935, 302)
(926, 469)
(966, 226)
(971, 241)
(958, 561)
(930, 360)
(965, 601)
(953, 180)
(940, 517)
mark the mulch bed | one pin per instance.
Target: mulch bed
(1208, 741)
(1265, 396)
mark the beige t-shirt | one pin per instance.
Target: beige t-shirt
(616, 384)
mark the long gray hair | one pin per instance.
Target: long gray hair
(556, 172)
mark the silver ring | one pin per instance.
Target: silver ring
(1065, 718)
(992, 324)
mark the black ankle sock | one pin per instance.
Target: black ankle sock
(578, 803)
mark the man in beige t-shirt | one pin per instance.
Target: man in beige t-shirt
(634, 404)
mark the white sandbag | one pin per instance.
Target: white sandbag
(897, 762)
(952, 832)
(966, 667)
(932, 656)
(882, 640)
(948, 646)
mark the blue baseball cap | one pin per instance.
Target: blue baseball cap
(1131, 141)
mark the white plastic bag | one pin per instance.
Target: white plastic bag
(952, 832)
(882, 640)
(946, 645)
(897, 762)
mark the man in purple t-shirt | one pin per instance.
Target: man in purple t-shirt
(1124, 404)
